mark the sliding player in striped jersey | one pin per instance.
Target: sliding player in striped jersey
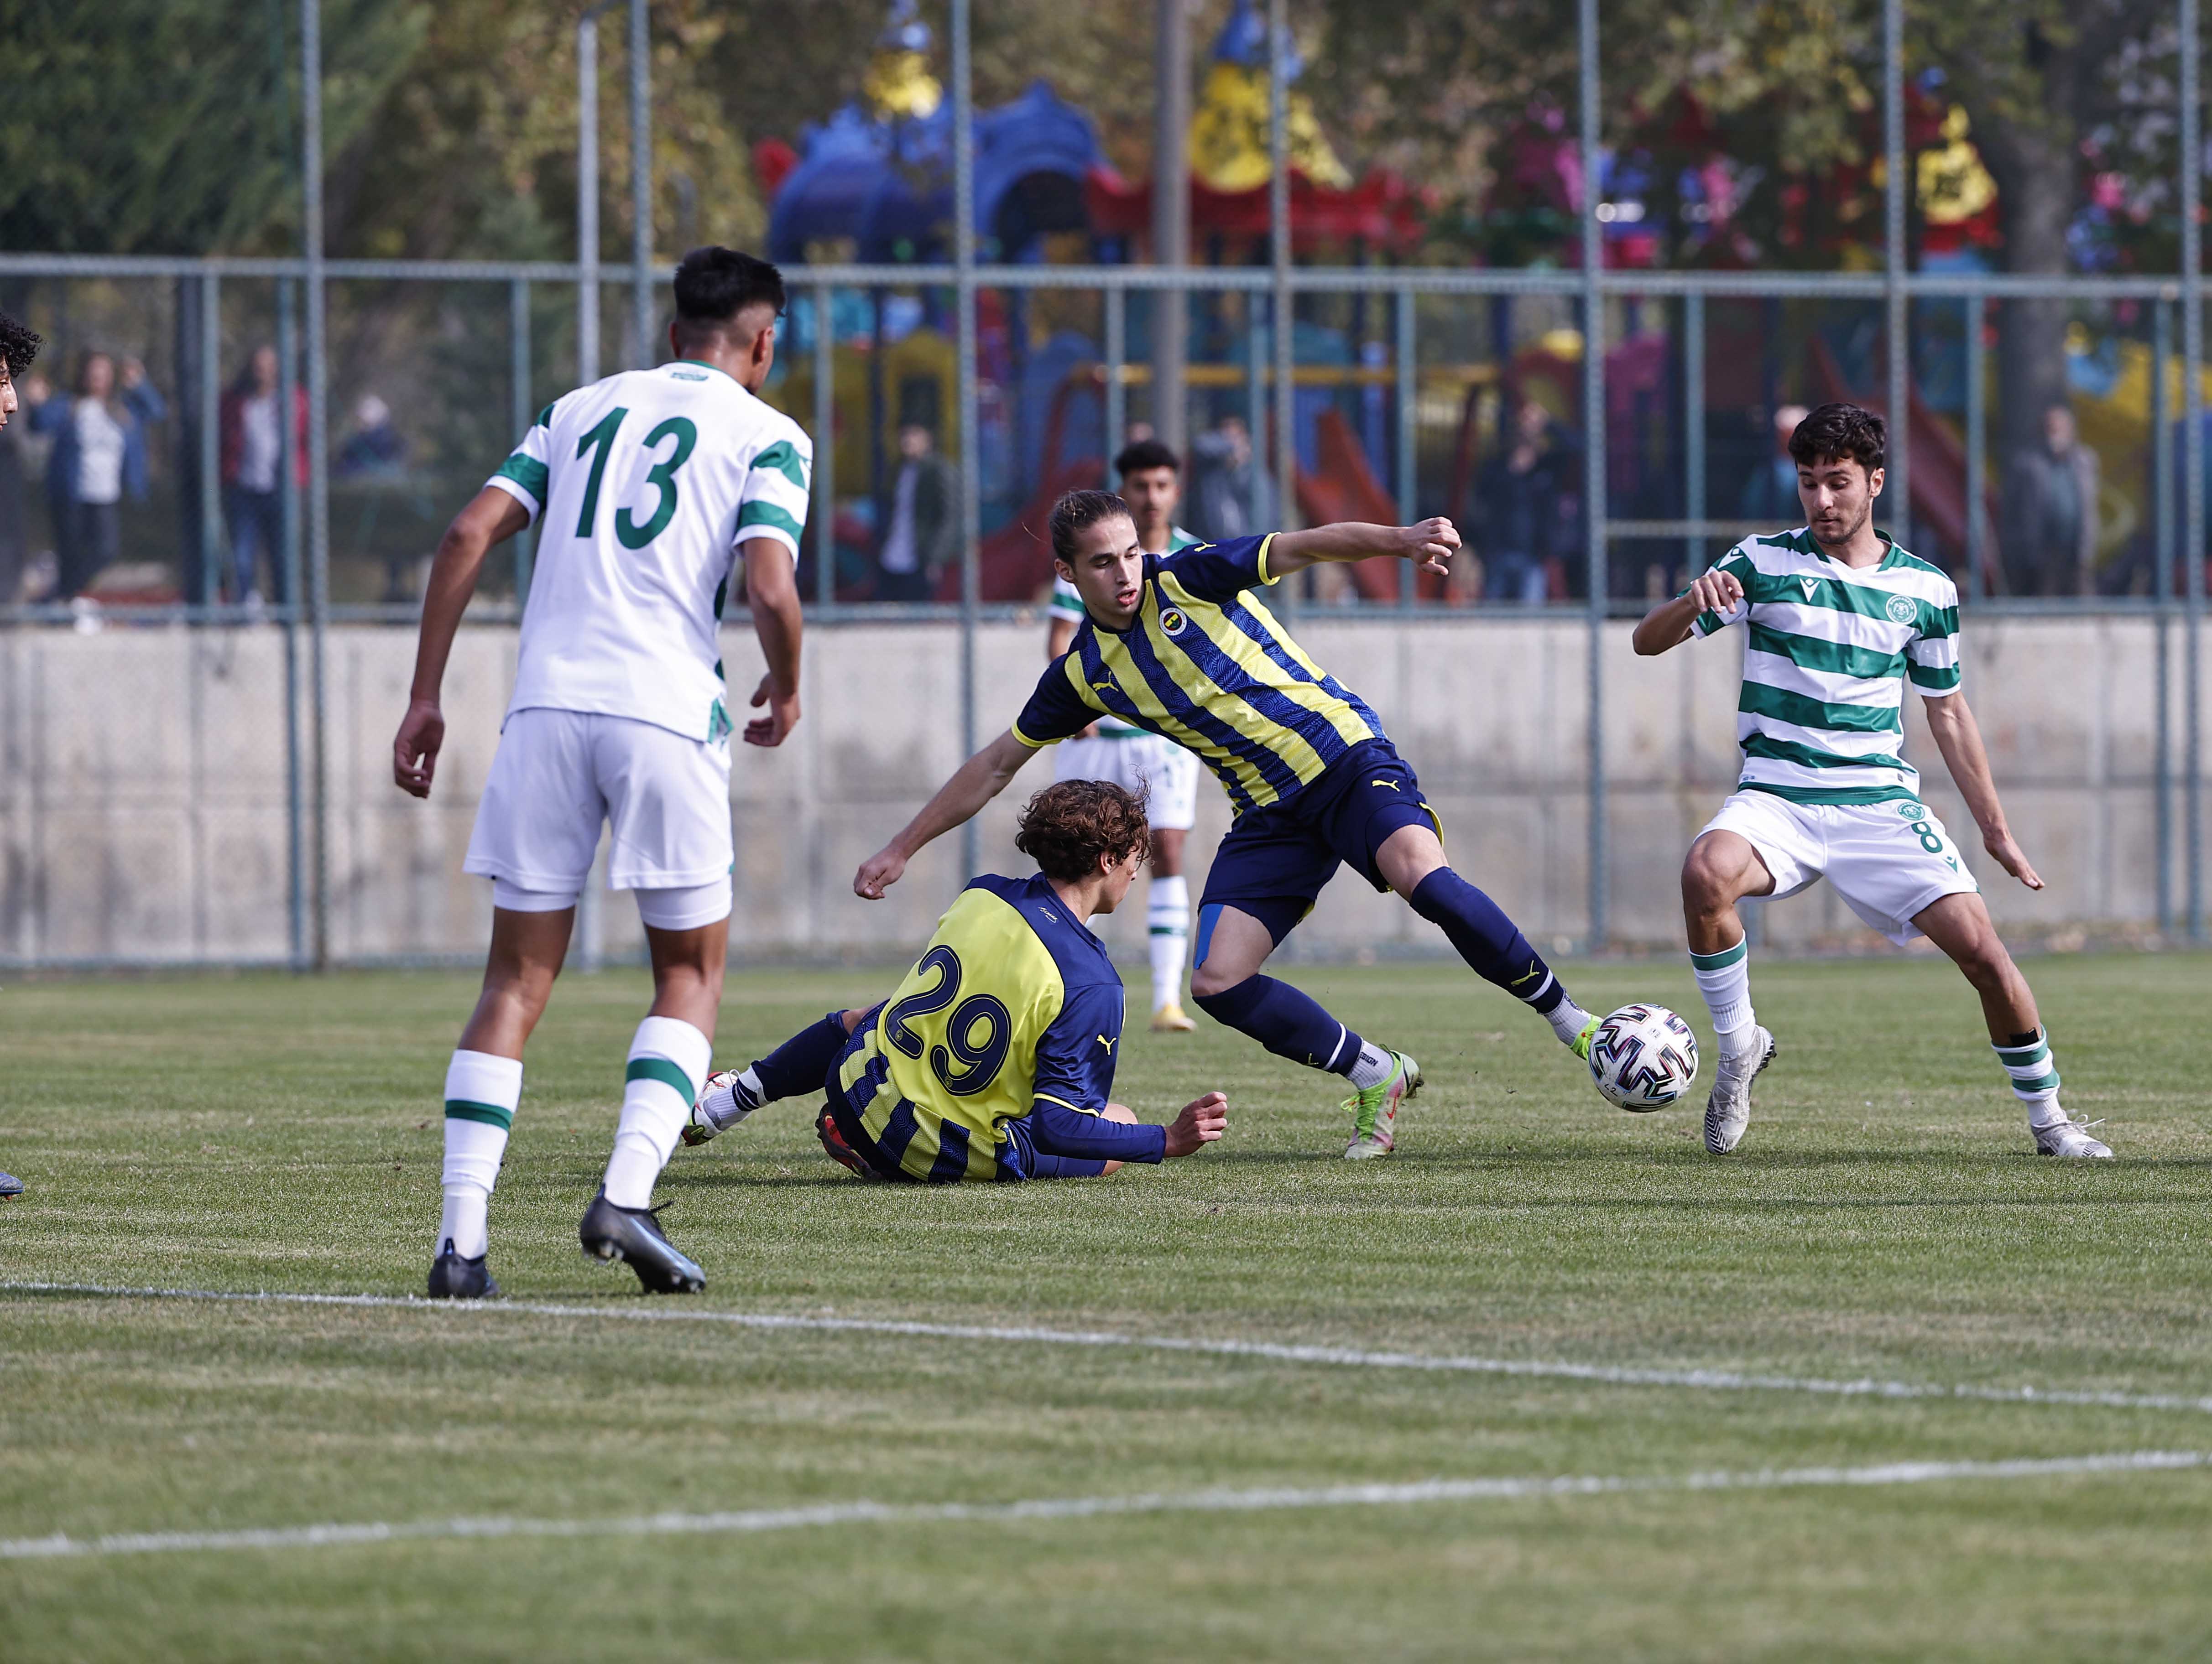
(1158, 771)
(1838, 618)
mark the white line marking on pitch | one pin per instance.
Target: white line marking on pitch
(1083, 1508)
(1603, 1375)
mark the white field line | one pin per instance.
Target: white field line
(1603, 1375)
(1083, 1508)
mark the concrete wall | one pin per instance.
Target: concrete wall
(142, 784)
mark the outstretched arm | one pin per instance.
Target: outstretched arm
(1667, 626)
(976, 781)
(772, 592)
(1959, 736)
(492, 517)
(1429, 545)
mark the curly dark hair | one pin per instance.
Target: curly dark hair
(1078, 511)
(1066, 827)
(18, 344)
(1836, 431)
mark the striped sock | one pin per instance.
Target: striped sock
(482, 1092)
(668, 1064)
(1724, 978)
(1167, 913)
(2026, 1059)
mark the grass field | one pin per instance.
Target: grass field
(1885, 1221)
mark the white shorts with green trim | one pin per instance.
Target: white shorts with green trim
(1887, 860)
(558, 774)
(1156, 769)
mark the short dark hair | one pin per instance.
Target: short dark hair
(1066, 827)
(715, 284)
(1834, 432)
(18, 344)
(1076, 512)
(1140, 454)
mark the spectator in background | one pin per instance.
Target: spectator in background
(252, 464)
(1769, 495)
(376, 447)
(18, 347)
(1516, 519)
(1227, 473)
(100, 453)
(2050, 522)
(921, 522)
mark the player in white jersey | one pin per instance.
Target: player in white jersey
(1837, 619)
(649, 487)
(1157, 771)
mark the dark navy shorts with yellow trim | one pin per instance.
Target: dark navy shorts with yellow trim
(1277, 858)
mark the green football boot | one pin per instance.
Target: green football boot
(1374, 1110)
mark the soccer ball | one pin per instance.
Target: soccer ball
(1643, 1058)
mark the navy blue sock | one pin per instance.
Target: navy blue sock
(798, 1067)
(1489, 941)
(1287, 1022)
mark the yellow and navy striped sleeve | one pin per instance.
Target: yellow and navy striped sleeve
(1059, 708)
(1221, 572)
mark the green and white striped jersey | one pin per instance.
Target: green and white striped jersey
(643, 487)
(1821, 717)
(1067, 604)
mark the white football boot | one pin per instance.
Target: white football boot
(2068, 1138)
(1728, 1111)
(724, 1102)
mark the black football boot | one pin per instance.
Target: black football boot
(453, 1277)
(634, 1234)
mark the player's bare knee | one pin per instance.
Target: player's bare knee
(1206, 980)
(1707, 886)
(1985, 963)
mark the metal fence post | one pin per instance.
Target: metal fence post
(588, 195)
(2192, 483)
(1408, 370)
(210, 458)
(825, 447)
(1117, 398)
(1593, 468)
(519, 413)
(319, 459)
(963, 245)
(1278, 251)
(646, 353)
(1898, 487)
(1694, 426)
(1258, 506)
(2162, 475)
(1978, 442)
(288, 464)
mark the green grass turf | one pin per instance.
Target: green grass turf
(1885, 1217)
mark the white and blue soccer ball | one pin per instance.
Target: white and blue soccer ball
(1643, 1058)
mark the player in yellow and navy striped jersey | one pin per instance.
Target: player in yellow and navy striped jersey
(1181, 645)
(994, 1058)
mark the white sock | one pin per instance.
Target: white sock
(2035, 1078)
(1371, 1067)
(1724, 978)
(668, 1063)
(1168, 913)
(482, 1092)
(1568, 1020)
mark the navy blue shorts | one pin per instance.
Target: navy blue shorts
(1276, 859)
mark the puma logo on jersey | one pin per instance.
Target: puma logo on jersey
(1106, 1043)
(1392, 784)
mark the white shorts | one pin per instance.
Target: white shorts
(1145, 765)
(557, 775)
(1887, 860)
